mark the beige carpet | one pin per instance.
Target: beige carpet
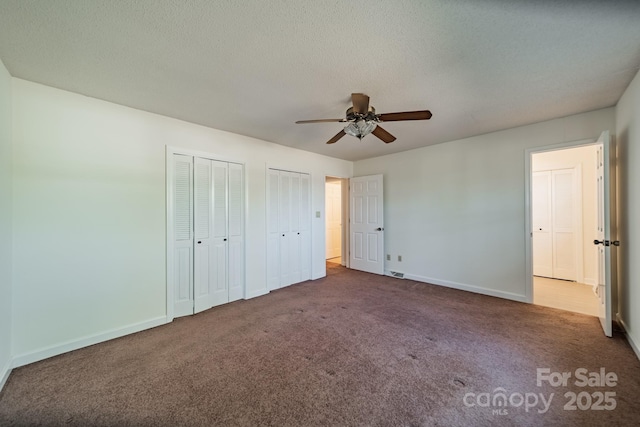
(350, 349)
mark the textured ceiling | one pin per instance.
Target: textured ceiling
(254, 67)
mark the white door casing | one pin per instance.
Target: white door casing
(367, 224)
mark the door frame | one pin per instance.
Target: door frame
(528, 233)
(169, 218)
(344, 217)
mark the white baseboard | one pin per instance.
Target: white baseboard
(589, 281)
(54, 350)
(255, 294)
(468, 288)
(4, 373)
(634, 346)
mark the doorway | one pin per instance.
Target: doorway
(564, 226)
(334, 211)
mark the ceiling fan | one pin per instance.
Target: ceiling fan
(363, 120)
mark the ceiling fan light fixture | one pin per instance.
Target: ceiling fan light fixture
(360, 128)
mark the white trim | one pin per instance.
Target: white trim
(169, 231)
(54, 350)
(256, 293)
(578, 217)
(468, 288)
(5, 372)
(634, 346)
(528, 241)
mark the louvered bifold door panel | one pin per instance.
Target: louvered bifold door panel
(284, 224)
(236, 238)
(273, 230)
(305, 227)
(293, 238)
(220, 294)
(182, 194)
(203, 273)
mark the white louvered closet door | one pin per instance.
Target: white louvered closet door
(207, 197)
(182, 191)
(204, 275)
(235, 233)
(220, 290)
(273, 230)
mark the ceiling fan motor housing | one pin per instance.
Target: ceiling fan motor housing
(353, 116)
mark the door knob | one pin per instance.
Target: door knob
(607, 242)
(199, 242)
(379, 229)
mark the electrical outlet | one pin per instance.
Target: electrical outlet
(400, 258)
(388, 257)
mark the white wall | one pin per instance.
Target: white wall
(5, 223)
(456, 211)
(89, 214)
(628, 145)
(585, 158)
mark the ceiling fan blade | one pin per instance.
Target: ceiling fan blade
(321, 121)
(383, 135)
(409, 115)
(360, 103)
(337, 137)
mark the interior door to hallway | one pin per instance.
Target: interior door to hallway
(366, 225)
(333, 209)
(605, 241)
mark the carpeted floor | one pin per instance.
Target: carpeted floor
(350, 349)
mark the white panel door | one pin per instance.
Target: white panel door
(541, 222)
(605, 242)
(305, 227)
(563, 223)
(367, 224)
(203, 251)
(182, 192)
(333, 207)
(236, 233)
(219, 289)
(273, 229)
